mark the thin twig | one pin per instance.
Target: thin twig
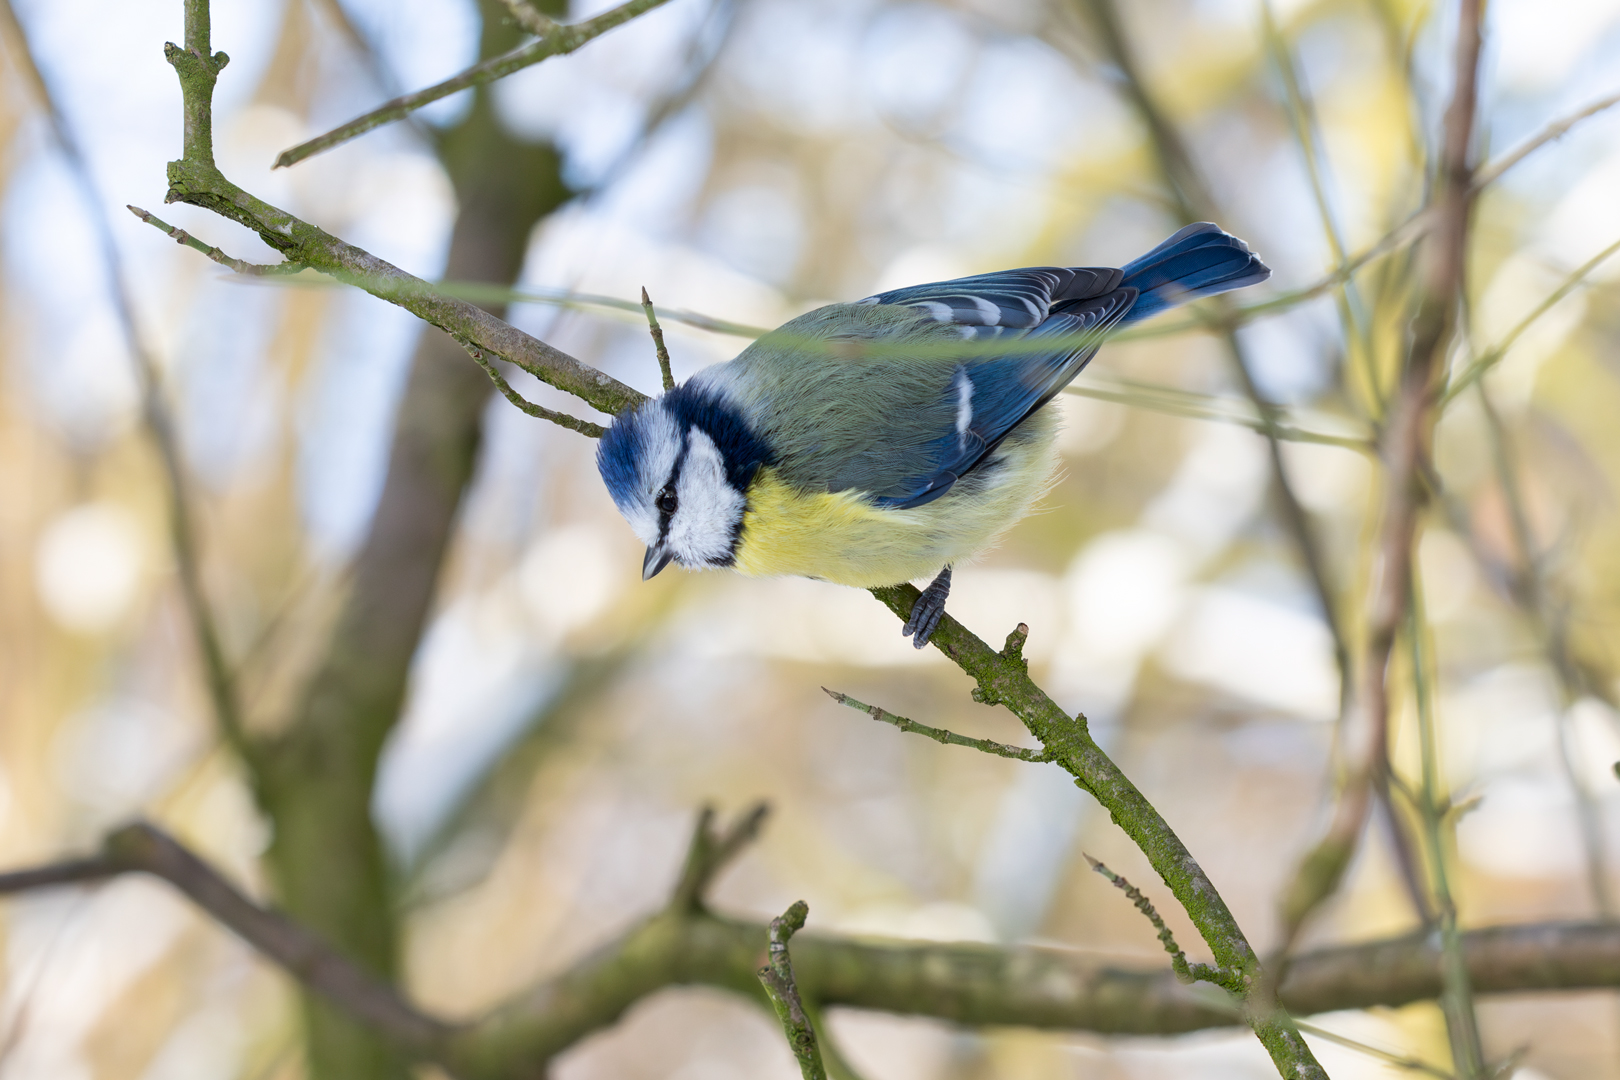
(777, 978)
(1457, 999)
(559, 41)
(572, 423)
(240, 266)
(940, 735)
(1178, 960)
(1488, 174)
(1302, 113)
(1400, 1061)
(1174, 401)
(658, 341)
(1442, 273)
(196, 179)
(709, 852)
(219, 678)
(1532, 593)
(1492, 356)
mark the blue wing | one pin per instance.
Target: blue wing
(1075, 307)
(993, 394)
(1007, 303)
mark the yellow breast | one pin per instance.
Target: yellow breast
(842, 537)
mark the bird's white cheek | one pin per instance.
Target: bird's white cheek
(702, 530)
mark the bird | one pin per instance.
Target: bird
(886, 440)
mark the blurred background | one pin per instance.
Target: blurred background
(562, 721)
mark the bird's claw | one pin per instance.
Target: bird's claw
(928, 610)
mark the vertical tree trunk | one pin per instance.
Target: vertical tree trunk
(315, 779)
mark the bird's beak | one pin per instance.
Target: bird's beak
(657, 558)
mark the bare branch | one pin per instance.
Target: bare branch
(1173, 401)
(1003, 679)
(1178, 960)
(572, 423)
(240, 266)
(558, 41)
(658, 340)
(709, 853)
(1442, 271)
(965, 983)
(145, 848)
(777, 978)
(1493, 356)
(195, 179)
(1488, 174)
(940, 735)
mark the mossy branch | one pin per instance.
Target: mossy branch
(195, 179)
(963, 983)
(1003, 679)
(777, 979)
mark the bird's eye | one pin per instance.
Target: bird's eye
(667, 501)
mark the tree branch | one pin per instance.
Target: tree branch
(572, 423)
(1488, 174)
(777, 979)
(240, 266)
(1003, 679)
(1178, 960)
(146, 849)
(710, 852)
(1408, 437)
(657, 333)
(965, 983)
(559, 40)
(940, 735)
(195, 179)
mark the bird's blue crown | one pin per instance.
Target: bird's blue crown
(642, 435)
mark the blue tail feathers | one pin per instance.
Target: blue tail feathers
(1200, 260)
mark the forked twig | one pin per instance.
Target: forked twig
(777, 978)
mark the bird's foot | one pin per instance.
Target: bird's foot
(928, 610)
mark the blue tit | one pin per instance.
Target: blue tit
(883, 441)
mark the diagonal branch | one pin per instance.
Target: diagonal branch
(144, 848)
(1554, 131)
(558, 41)
(1003, 679)
(940, 735)
(195, 179)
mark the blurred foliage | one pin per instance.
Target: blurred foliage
(749, 160)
